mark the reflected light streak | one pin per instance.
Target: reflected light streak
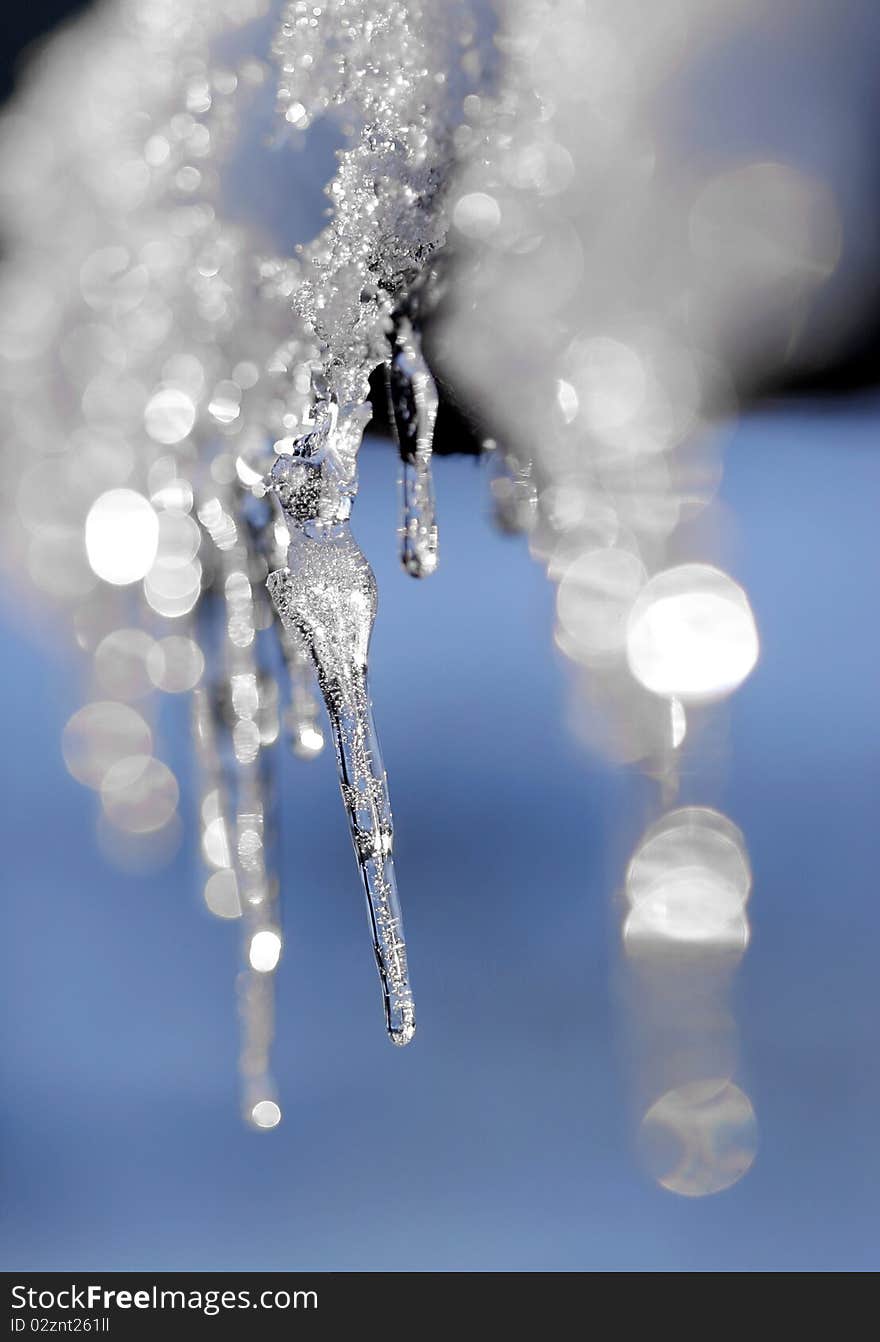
(264, 951)
(139, 794)
(266, 1114)
(122, 536)
(221, 894)
(700, 1138)
(691, 634)
(98, 735)
(688, 882)
(593, 601)
(687, 885)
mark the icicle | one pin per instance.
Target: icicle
(327, 597)
(514, 494)
(256, 1007)
(412, 402)
(243, 715)
(221, 887)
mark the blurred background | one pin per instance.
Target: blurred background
(521, 1129)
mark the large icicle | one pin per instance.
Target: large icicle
(327, 596)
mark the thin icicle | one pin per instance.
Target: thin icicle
(243, 715)
(256, 1006)
(221, 887)
(412, 403)
(514, 493)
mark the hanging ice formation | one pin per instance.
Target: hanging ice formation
(326, 596)
(181, 411)
(387, 223)
(412, 407)
(210, 401)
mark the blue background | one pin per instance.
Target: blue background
(504, 1137)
